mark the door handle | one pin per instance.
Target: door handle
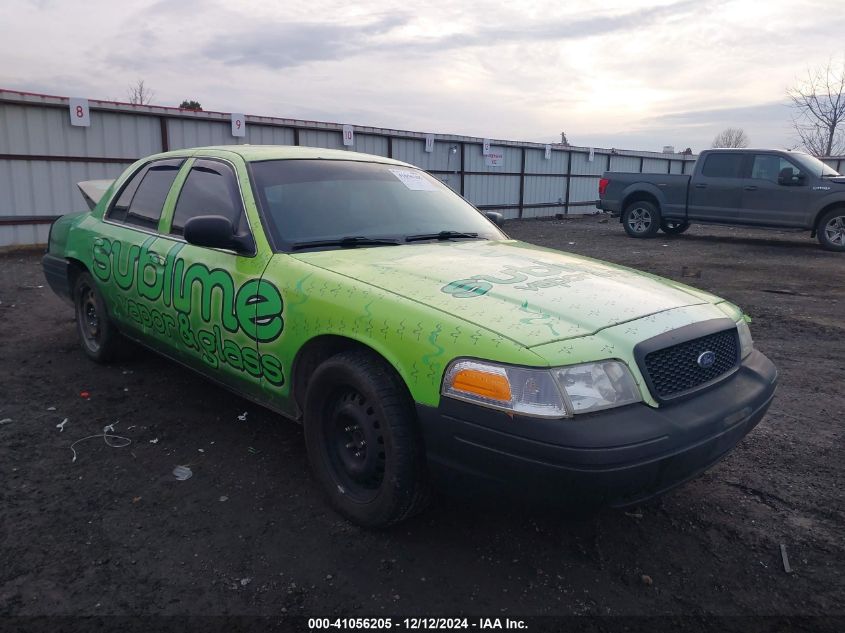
(750, 188)
(700, 185)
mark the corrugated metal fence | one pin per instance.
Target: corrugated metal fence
(42, 157)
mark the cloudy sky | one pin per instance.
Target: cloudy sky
(614, 73)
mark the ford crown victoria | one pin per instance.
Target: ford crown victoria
(410, 336)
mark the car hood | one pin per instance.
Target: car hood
(528, 294)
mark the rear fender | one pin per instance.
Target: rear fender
(642, 190)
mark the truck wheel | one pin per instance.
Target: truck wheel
(641, 219)
(831, 230)
(98, 336)
(363, 441)
(673, 227)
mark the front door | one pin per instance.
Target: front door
(212, 294)
(776, 193)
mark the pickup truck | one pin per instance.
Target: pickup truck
(752, 187)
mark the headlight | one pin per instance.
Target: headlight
(547, 393)
(746, 344)
(596, 386)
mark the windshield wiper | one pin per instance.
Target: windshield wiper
(350, 241)
(443, 235)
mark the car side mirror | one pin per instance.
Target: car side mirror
(495, 217)
(216, 231)
(793, 180)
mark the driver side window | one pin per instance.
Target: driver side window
(773, 168)
(210, 189)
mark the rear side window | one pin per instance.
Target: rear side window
(723, 166)
(210, 189)
(142, 199)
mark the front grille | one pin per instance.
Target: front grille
(675, 370)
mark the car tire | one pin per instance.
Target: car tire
(831, 230)
(99, 338)
(673, 227)
(363, 441)
(641, 219)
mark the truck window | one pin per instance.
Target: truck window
(723, 166)
(770, 167)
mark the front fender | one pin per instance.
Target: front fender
(822, 204)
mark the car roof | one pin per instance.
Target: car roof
(253, 153)
(756, 150)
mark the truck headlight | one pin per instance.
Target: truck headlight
(746, 343)
(546, 393)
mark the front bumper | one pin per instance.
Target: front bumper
(616, 457)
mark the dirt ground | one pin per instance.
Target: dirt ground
(116, 533)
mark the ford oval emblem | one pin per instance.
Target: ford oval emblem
(706, 359)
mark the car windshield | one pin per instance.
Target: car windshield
(814, 165)
(345, 204)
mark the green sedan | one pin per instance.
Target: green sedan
(415, 341)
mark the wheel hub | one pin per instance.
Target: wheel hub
(639, 220)
(89, 318)
(356, 442)
(835, 231)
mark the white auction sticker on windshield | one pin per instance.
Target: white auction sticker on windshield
(413, 180)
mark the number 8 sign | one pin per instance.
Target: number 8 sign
(79, 113)
(238, 125)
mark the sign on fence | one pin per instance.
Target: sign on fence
(429, 143)
(238, 125)
(348, 136)
(495, 157)
(79, 113)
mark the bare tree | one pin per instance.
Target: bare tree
(139, 93)
(731, 137)
(819, 104)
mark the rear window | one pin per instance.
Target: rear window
(723, 166)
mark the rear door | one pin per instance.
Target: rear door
(715, 193)
(774, 194)
(124, 256)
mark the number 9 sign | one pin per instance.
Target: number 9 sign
(79, 113)
(238, 125)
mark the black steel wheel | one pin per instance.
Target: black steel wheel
(98, 336)
(363, 441)
(673, 227)
(355, 443)
(641, 219)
